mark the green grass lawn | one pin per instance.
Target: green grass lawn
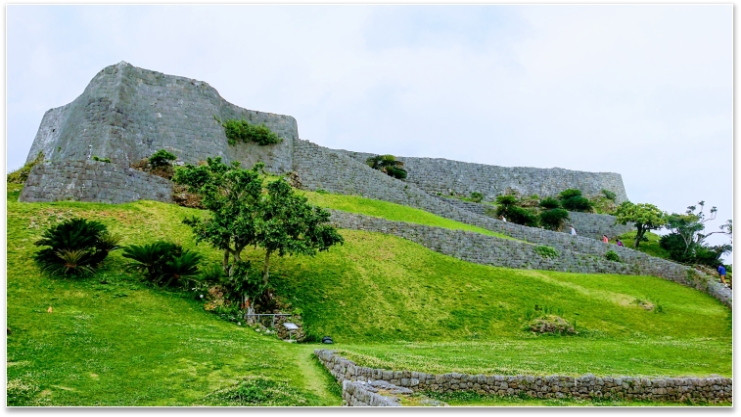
(650, 248)
(390, 211)
(112, 340)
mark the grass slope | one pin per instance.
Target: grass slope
(384, 300)
(390, 211)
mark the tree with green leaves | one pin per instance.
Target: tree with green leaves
(645, 217)
(686, 242)
(244, 213)
(387, 164)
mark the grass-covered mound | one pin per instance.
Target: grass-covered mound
(111, 340)
(390, 211)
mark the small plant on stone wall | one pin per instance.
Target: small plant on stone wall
(573, 200)
(477, 197)
(20, 175)
(159, 164)
(609, 194)
(612, 256)
(161, 158)
(244, 131)
(99, 159)
(388, 165)
(546, 251)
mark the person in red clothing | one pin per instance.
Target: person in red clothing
(605, 239)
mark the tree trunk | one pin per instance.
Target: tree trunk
(266, 267)
(639, 235)
(225, 263)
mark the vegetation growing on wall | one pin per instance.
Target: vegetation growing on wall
(99, 159)
(244, 131)
(387, 164)
(20, 175)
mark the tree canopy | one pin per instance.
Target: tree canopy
(645, 217)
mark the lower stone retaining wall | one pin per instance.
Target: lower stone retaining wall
(88, 180)
(358, 394)
(585, 387)
(491, 250)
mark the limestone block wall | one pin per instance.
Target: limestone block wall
(589, 225)
(358, 394)
(127, 113)
(93, 181)
(490, 250)
(437, 175)
(713, 389)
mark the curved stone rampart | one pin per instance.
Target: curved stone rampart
(127, 113)
(443, 176)
(585, 387)
(586, 257)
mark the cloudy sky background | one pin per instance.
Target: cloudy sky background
(645, 91)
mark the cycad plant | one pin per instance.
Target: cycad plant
(74, 247)
(388, 164)
(162, 263)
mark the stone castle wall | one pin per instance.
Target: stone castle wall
(93, 181)
(590, 225)
(585, 387)
(439, 176)
(127, 113)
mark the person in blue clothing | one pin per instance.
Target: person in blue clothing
(722, 273)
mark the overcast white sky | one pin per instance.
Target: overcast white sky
(645, 91)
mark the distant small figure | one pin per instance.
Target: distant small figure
(605, 239)
(620, 242)
(722, 273)
(573, 231)
(504, 219)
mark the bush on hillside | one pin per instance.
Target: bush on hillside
(20, 175)
(553, 219)
(477, 197)
(159, 164)
(388, 165)
(549, 203)
(244, 131)
(546, 251)
(551, 324)
(611, 255)
(609, 194)
(74, 247)
(573, 200)
(523, 216)
(163, 263)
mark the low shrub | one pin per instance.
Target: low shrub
(388, 165)
(99, 159)
(522, 216)
(549, 203)
(546, 251)
(612, 256)
(609, 194)
(20, 175)
(163, 263)
(477, 197)
(553, 219)
(161, 158)
(577, 204)
(75, 247)
(244, 131)
(182, 197)
(551, 324)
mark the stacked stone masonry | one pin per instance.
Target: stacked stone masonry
(127, 113)
(587, 224)
(439, 176)
(93, 181)
(575, 254)
(711, 390)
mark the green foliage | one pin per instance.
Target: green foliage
(611, 255)
(686, 242)
(573, 200)
(554, 218)
(609, 194)
(261, 392)
(645, 217)
(20, 175)
(278, 220)
(549, 203)
(546, 251)
(477, 197)
(20, 393)
(244, 131)
(387, 164)
(522, 216)
(162, 263)
(74, 247)
(161, 158)
(97, 158)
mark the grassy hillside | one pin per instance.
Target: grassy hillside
(390, 211)
(112, 340)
